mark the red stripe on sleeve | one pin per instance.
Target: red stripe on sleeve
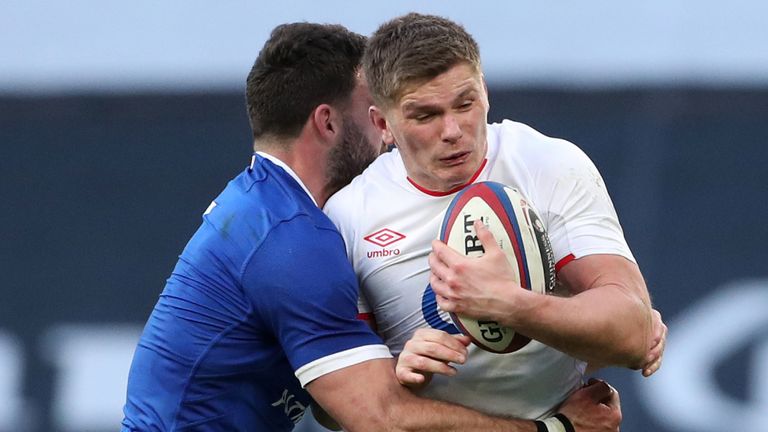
(560, 264)
(367, 316)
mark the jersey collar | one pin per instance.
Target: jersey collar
(452, 191)
(287, 169)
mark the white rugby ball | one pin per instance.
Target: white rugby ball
(520, 234)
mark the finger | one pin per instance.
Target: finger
(447, 256)
(445, 303)
(657, 352)
(654, 366)
(658, 327)
(657, 342)
(650, 367)
(653, 355)
(486, 237)
(430, 334)
(439, 287)
(598, 390)
(438, 268)
(409, 378)
(650, 370)
(451, 350)
(456, 342)
(409, 363)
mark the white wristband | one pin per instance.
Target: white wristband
(554, 425)
(557, 423)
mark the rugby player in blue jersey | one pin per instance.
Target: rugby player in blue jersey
(258, 317)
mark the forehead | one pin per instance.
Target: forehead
(456, 82)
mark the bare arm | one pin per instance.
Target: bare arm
(367, 397)
(608, 320)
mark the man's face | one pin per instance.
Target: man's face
(440, 128)
(360, 142)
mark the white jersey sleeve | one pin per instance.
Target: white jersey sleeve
(564, 186)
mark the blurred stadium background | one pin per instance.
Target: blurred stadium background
(120, 121)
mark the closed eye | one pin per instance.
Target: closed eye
(423, 117)
(466, 105)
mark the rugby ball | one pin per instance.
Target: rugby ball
(519, 232)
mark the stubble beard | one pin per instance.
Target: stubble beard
(348, 158)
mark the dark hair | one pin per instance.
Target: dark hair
(414, 48)
(301, 66)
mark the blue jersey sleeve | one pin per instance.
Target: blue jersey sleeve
(305, 291)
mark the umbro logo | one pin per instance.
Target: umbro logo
(384, 237)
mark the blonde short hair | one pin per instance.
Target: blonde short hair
(413, 49)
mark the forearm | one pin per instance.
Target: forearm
(430, 415)
(367, 397)
(418, 414)
(605, 325)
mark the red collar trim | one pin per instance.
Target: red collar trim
(452, 191)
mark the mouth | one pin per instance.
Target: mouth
(456, 158)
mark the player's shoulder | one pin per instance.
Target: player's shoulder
(524, 138)
(534, 149)
(257, 201)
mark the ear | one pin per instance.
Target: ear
(326, 122)
(380, 122)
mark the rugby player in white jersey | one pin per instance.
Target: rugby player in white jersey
(431, 103)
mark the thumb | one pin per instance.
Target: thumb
(485, 236)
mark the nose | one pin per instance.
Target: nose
(451, 129)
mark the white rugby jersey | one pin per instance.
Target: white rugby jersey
(388, 223)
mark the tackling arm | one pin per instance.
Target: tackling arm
(366, 397)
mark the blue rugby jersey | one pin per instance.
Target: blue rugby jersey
(260, 298)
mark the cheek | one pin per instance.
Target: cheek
(424, 156)
(472, 122)
(480, 120)
(419, 143)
